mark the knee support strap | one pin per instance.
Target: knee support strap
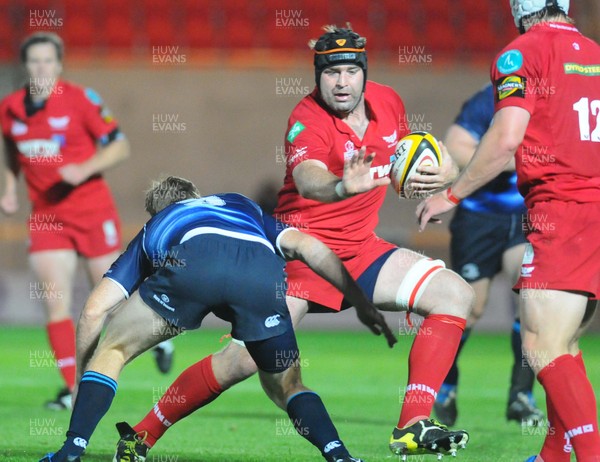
(416, 281)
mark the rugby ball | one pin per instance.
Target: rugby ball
(415, 149)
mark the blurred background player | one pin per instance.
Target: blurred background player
(333, 190)
(51, 131)
(486, 239)
(224, 255)
(547, 87)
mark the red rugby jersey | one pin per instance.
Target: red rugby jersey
(315, 133)
(65, 130)
(553, 72)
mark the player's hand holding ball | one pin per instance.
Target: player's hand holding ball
(422, 166)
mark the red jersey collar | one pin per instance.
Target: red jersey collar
(554, 26)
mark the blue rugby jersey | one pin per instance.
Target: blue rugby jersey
(229, 214)
(499, 195)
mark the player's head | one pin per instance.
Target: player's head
(340, 67)
(168, 191)
(42, 54)
(529, 12)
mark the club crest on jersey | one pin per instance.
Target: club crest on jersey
(510, 61)
(512, 85)
(350, 150)
(59, 123)
(18, 128)
(391, 140)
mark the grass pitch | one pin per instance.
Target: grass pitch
(358, 377)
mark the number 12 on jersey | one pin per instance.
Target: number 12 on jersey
(583, 107)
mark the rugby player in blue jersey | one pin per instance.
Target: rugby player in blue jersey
(487, 239)
(198, 255)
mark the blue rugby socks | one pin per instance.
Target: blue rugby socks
(95, 395)
(311, 420)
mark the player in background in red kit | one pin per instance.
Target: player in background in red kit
(340, 147)
(547, 92)
(51, 130)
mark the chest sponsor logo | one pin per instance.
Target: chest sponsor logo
(381, 171)
(513, 85)
(39, 148)
(59, 123)
(510, 61)
(391, 140)
(349, 150)
(18, 128)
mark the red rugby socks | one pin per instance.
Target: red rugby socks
(61, 335)
(572, 399)
(195, 387)
(430, 359)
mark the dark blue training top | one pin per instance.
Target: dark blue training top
(229, 214)
(499, 195)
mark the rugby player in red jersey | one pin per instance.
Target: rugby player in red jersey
(547, 91)
(52, 129)
(340, 146)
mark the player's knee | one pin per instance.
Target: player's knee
(233, 364)
(450, 294)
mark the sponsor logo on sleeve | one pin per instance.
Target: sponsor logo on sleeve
(591, 70)
(295, 131)
(510, 61)
(93, 96)
(512, 85)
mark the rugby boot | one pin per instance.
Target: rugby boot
(524, 411)
(62, 402)
(427, 436)
(343, 459)
(163, 355)
(445, 406)
(131, 447)
(52, 457)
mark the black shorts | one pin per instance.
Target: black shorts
(480, 239)
(242, 282)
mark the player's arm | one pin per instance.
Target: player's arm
(9, 202)
(462, 145)
(314, 181)
(107, 156)
(105, 297)
(296, 245)
(494, 152)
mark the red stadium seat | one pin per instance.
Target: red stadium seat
(119, 32)
(79, 32)
(240, 33)
(479, 37)
(400, 33)
(160, 31)
(440, 38)
(199, 32)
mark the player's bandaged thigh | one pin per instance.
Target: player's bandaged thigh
(415, 282)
